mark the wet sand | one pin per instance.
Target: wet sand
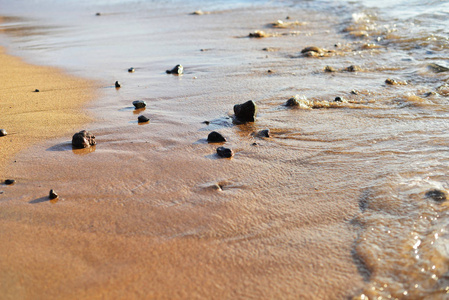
(152, 212)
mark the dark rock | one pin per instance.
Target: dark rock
(225, 152)
(206, 122)
(83, 139)
(215, 137)
(131, 70)
(338, 99)
(330, 69)
(36, 91)
(9, 181)
(117, 84)
(98, 14)
(52, 195)
(142, 119)
(263, 133)
(428, 94)
(391, 81)
(353, 68)
(245, 112)
(355, 92)
(139, 104)
(312, 49)
(436, 195)
(258, 34)
(3, 132)
(293, 101)
(177, 70)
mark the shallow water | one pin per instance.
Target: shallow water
(332, 205)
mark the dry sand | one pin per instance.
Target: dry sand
(30, 117)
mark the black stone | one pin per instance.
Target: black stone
(263, 133)
(139, 104)
(354, 92)
(293, 101)
(98, 14)
(245, 112)
(436, 195)
(353, 68)
(338, 99)
(117, 84)
(215, 137)
(52, 195)
(131, 70)
(9, 181)
(3, 132)
(83, 139)
(36, 91)
(330, 69)
(178, 70)
(391, 81)
(225, 152)
(142, 119)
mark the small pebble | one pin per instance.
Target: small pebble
(225, 152)
(3, 132)
(36, 91)
(258, 34)
(263, 133)
(355, 92)
(338, 99)
(391, 81)
(139, 104)
(117, 84)
(131, 70)
(177, 70)
(330, 69)
(353, 68)
(142, 119)
(215, 137)
(206, 122)
(52, 195)
(98, 14)
(9, 181)
(436, 195)
(83, 139)
(293, 101)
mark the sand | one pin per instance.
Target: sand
(30, 117)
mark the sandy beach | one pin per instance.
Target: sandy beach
(321, 209)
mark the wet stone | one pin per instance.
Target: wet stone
(225, 152)
(265, 133)
(131, 70)
(391, 81)
(139, 104)
(142, 119)
(83, 139)
(436, 195)
(117, 84)
(10, 181)
(330, 69)
(216, 137)
(355, 92)
(293, 101)
(312, 49)
(177, 70)
(52, 195)
(338, 99)
(36, 91)
(353, 68)
(245, 112)
(3, 132)
(258, 34)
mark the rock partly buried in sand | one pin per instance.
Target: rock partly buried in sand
(83, 139)
(436, 195)
(353, 68)
(52, 195)
(293, 101)
(330, 69)
(142, 119)
(258, 34)
(313, 51)
(216, 137)
(198, 13)
(264, 133)
(437, 68)
(131, 70)
(338, 99)
(225, 152)
(117, 84)
(245, 112)
(3, 132)
(177, 70)
(395, 82)
(36, 91)
(139, 104)
(10, 181)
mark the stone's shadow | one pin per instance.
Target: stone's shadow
(128, 108)
(213, 156)
(39, 200)
(61, 147)
(218, 123)
(84, 151)
(201, 141)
